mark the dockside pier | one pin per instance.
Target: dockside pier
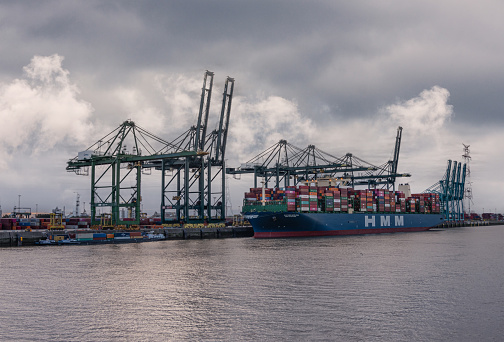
(9, 238)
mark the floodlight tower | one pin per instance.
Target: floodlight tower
(77, 205)
(468, 195)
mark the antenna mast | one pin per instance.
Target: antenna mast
(77, 205)
(468, 195)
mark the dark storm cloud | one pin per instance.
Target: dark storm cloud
(352, 57)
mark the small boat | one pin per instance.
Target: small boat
(45, 242)
(59, 242)
(68, 242)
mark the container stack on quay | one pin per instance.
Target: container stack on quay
(488, 216)
(75, 223)
(16, 235)
(8, 224)
(42, 223)
(305, 198)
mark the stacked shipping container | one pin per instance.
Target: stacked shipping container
(305, 198)
(85, 223)
(290, 195)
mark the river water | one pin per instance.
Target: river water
(441, 285)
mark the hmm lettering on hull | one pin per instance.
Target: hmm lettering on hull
(385, 221)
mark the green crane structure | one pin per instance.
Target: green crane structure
(113, 167)
(187, 191)
(284, 162)
(192, 191)
(451, 191)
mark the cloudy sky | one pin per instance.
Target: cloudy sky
(342, 75)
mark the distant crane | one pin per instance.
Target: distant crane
(468, 194)
(451, 191)
(77, 205)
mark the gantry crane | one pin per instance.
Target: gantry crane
(384, 175)
(190, 192)
(284, 161)
(113, 166)
(451, 191)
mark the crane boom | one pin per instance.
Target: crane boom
(224, 119)
(395, 161)
(201, 127)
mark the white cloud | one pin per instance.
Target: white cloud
(43, 123)
(42, 110)
(139, 109)
(165, 104)
(256, 124)
(182, 96)
(424, 114)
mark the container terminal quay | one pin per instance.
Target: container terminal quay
(192, 174)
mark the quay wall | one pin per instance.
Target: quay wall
(9, 238)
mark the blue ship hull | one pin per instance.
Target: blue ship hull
(296, 224)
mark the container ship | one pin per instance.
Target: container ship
(307, 210)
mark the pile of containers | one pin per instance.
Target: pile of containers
(42, 223)
(77, 223)
(306, 198)
(9, 224)
(487, 216)
(426, 203)
(290, 195)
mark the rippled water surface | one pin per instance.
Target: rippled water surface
(445, 285)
